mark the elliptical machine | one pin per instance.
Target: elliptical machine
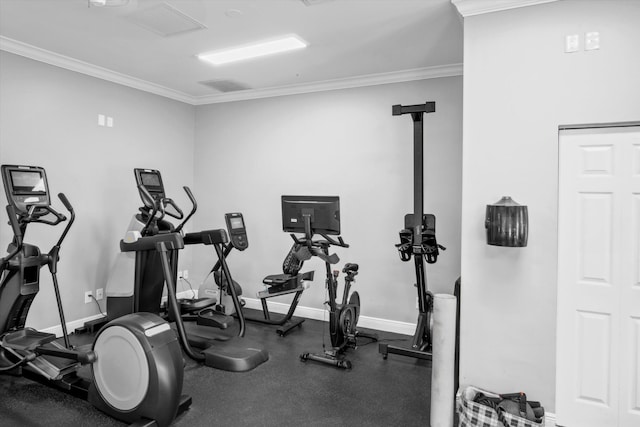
(418, 241)
(155, 244)
(320, 215)
(136, 362)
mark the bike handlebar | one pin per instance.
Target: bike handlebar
(328, 241)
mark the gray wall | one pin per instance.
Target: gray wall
(239, 156)
(48, 117)
(346, 143)
(519, 86)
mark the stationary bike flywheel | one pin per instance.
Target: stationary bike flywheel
(349, 316)
(354, 300)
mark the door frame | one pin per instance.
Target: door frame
(579, 127)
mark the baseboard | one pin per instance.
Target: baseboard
(73, 325)
(550, 419)
(386, 325)
(403, 328)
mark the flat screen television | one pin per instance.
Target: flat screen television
(311, 215)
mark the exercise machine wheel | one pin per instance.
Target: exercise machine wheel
(138, 374)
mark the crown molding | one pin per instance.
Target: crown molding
(62, 61)
(326, 85)
(478, 7)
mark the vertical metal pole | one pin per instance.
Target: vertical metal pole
(63, 323)
(418, 206)
(418, 176)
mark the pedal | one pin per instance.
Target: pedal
(195, 304)
(213, 318)
(26, 339)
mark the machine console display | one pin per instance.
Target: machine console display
(237, 230)
(152, 181)
(25, 186)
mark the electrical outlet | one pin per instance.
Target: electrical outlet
(185, 274)
(99, 293)
(417, 303)
(180, 275)
(87, 297)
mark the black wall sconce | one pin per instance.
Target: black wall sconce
(507, 223)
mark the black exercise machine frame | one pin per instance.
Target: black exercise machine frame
(22, 347)
(418, 223)
(285, 322)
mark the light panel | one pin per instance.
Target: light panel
(256, 50)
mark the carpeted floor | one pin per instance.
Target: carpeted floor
(281, 392)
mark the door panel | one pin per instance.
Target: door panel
(598, 334)
(594, 359)
(594, 217)
(630, 298)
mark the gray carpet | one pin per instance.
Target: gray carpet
(282, 392)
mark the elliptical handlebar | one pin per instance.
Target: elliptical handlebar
(147, 197)
(194, 207)
(39, 212)
(11, 212)
(169, 202)
(69, 207)
(160, 205)
(13, 221)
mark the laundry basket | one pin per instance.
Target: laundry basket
(474, 414)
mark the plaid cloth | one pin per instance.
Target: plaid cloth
(472, 414)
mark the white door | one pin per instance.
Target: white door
(598, 333)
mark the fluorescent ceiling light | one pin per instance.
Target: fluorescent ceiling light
(108, 3)
(255, 50)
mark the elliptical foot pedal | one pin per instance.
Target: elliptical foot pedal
(212, 318)
(195, 304)
(26, 339)
(234, 358)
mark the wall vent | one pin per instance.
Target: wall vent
(225, 85)
(314, 2)
(165, 20)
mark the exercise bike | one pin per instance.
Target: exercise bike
(291, 281)
(320, 215)
(136, 363)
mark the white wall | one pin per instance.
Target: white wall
(519, 86)
(48, 117)
(248, 154)
(344, 143)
